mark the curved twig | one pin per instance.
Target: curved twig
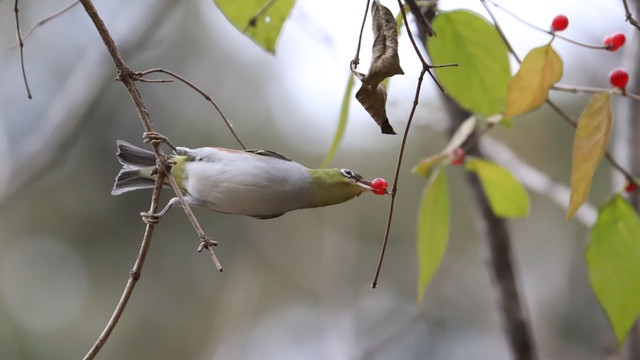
(48, 18)
(197, 89)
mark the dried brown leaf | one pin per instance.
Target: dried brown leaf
(385, 61)
(374, 99)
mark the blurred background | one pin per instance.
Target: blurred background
(295, 287)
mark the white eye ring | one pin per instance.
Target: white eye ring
(348, 173)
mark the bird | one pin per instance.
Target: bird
(259, 183)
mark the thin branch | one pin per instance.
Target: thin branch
(128, 78)
(628, 15)
(607, 154)
(356, 59)
(420, 18)
(21, 45)
(65, 114)
(205, 242)
(394, 189)
(425, 68)
(552, 33)
(425, 64)
(50, 17)
(194, 87)
(500, 32)
(134, 274)
(425, 29)
(593, 90)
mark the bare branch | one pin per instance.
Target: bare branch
(134, 274)
(552, 33)
(21, 45)
(197, 89)
(48, 18)
(128, 78)
(593, 90)
(628, 15)
(394, 189)
(356, 59)
(66, 112)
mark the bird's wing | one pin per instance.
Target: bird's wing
(268, 153)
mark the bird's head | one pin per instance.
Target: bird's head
(334, 186)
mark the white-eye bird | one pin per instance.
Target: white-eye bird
(257, 183)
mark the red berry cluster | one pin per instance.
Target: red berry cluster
(559, 23)
(615, 41)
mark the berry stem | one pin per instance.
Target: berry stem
(575, 42)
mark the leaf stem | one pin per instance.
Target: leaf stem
(552, 33)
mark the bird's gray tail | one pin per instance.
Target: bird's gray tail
(133, 160)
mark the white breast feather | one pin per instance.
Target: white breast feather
(247, 184)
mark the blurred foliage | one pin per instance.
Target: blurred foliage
(293, 287)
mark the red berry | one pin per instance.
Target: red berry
(457, 156)
(618, 39)
(608, 43)
(559, 23)
(615, 41)
(619, 78)
(380, 186)
(631, 187)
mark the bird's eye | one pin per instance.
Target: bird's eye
(348, 173)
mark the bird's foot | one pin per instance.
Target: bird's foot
(152, 137)
(150, 219)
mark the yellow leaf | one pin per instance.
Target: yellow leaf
(529, 87)
(589, 146)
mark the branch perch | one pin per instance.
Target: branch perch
(128, 78)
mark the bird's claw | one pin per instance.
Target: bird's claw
(152, 137)
(149, 218)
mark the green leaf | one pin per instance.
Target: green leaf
(342, 122)
(589, 146)
(433, 229)
(506, 195)
(613, 261)
(260, 20)
(479, 83)
(529, 87)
